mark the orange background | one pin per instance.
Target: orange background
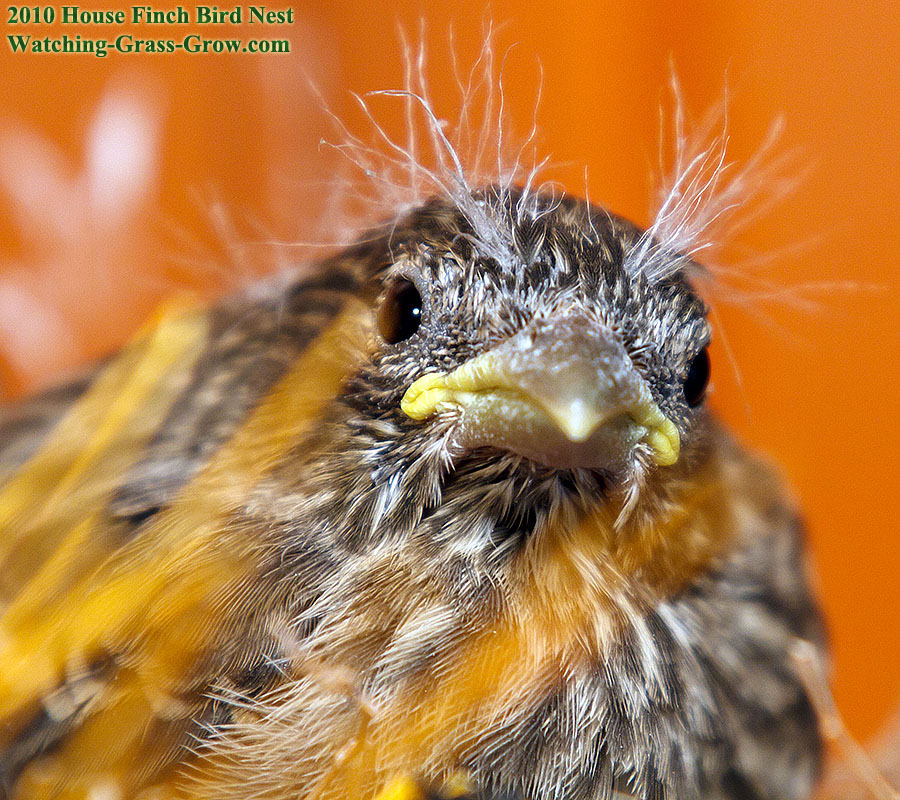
(238, 147)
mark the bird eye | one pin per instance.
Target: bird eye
(697, 379)
(400, 312)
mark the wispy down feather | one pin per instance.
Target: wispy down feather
(703, 198)
(450, 156)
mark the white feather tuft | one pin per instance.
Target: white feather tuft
(703, 197)
(452, 158)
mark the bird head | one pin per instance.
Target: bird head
(520, 329)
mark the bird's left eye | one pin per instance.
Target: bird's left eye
(697, 379)
(401, 311)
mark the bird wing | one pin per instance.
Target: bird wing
(118, 571)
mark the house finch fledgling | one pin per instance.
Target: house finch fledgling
(446, 517)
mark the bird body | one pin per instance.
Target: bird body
(446, 516)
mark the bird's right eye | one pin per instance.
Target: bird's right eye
(697, 379)
(401, 311)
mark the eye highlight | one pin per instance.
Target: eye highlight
(400, 313)
(697, 379)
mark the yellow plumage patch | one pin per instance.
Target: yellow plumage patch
(116, 625)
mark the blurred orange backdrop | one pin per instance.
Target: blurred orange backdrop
(225, 139)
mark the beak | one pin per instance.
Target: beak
(562, 391)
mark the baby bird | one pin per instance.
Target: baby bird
(446, 517)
